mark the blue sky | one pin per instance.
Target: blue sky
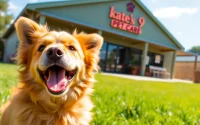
(180, 17)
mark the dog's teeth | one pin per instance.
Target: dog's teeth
(46, 77)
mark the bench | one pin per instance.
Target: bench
(158, 72)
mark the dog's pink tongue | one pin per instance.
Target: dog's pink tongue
(56, 81)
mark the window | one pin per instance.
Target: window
(103, 53)
(156, 59)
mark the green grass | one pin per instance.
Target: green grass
(8, 79)
(120, 101)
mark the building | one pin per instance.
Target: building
(134, 38)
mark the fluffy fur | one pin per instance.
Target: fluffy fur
(31, 102)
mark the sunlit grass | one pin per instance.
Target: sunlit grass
(123, 101)
(8, 79)
(120, 101)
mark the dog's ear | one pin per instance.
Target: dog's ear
(27, 31)
(91, 45)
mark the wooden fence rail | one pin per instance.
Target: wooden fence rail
(185, 70)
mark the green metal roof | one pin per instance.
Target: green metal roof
(35, 6)
(41, 5)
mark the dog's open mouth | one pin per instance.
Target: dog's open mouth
(57, 78)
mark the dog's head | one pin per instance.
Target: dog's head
(57, 61)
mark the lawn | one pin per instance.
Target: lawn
(120, 101)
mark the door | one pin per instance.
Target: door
(115, 58)
(111, 58)
(120, 59)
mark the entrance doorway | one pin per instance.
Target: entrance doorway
(115, 58)
(127, 60)
(120, 59)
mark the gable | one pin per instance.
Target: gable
(100, 15)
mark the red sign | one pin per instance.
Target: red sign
(125, 22)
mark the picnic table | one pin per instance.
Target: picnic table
(158, 72)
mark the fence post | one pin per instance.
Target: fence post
(195, 67)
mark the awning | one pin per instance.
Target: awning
(183, 53)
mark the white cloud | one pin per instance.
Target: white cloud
(179, 33)
(33, 1)
(154, 1)
(11, 6)
(174, 12)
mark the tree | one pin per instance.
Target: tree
(5, 18)
(195, 49)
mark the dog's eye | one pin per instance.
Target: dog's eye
(71, 48)
(41, 48)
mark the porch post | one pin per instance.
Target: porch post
(173, 65)
(144, 55)
(42, 20)
(195, 66)
(99, 32)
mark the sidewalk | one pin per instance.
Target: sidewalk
(143, 78)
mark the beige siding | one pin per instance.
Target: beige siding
(168, 58)
(10, 47)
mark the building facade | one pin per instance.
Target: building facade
(134, 38)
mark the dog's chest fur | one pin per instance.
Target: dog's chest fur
(51, 111)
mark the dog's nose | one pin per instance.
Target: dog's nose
(54, 53)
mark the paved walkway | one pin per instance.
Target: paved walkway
(148, 78)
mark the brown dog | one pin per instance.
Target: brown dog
(56, 77)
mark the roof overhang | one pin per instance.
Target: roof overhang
(183, 53)
(36, 6)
